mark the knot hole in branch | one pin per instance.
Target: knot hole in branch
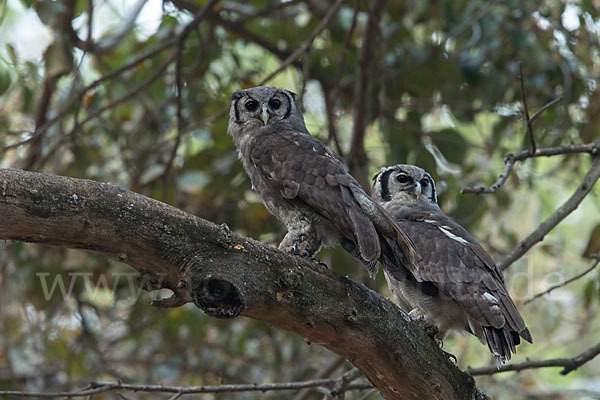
(218, 298)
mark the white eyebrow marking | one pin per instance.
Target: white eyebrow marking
(452, 236)
(429, 221)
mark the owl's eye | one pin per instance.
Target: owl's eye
(424, 182)
(251, 105)
(274, 103)
(403, 178)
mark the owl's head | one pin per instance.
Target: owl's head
(261, 106)
(405, 183)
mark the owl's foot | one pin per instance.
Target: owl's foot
(313, 258)
(430, 329)
(306, 254)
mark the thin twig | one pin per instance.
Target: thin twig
(472, 18)
(179, 104)
(97, 388)
(342, 63)
(332, 94)
(89, 41)
(109, 43)
(199, 16)
(331, 128)
(357, 157)
(525, 110)
(342, 383)
(511, 159)
(305, 394)
(134, 91)
(307, 43)
(568, 364)
(76, 98)
(550, 289)
(561, 213)
(544, 108)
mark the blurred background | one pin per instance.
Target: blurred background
(113, 91)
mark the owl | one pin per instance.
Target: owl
(306, 185)
(456, 285)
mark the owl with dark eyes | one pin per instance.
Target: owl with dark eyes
(306, 185)
(454, 283)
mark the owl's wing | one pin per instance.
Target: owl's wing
(305, 171)
(451, 259)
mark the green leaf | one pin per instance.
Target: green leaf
(4, 81)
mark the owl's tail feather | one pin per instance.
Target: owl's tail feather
(401, 250)
(501, 342)
(367, 247)
(371, 266)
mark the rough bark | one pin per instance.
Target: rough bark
(227, 275)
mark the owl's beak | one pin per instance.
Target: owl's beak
(264, 115)
(418, 189)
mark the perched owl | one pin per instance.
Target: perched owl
(456, 285)
(306, 185)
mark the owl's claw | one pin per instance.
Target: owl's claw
(451, 357)
(317, 261)
(313, 258)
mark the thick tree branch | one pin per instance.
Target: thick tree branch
(569, 364)
(561, 213)
(227, 275)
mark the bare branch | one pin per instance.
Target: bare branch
(307, 43)
(337, 363)
(95, 388)
(332, 93)
(568, 364)
(544, 108)
(75, 99)
(525, 110)
(107, 44)
(200, 15)
(179, 104)
(331, 128)
(473, 18)
(561, 213)
(511, 159)
(131, 93)
(550, 289)
(357, 157)
(509, 163)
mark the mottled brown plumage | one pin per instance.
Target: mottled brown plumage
(455, 285)
(306, 185)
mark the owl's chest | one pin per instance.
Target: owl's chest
(263, 185)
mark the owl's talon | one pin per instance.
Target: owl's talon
(313, 258)
(317, 261)
(451, 357)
